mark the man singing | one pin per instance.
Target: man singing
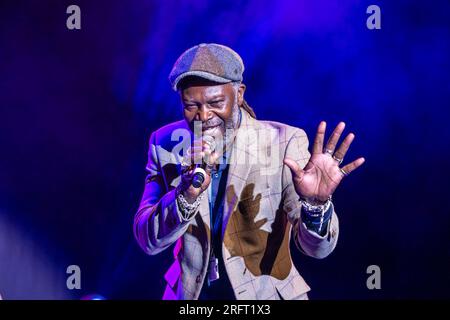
(235, 190)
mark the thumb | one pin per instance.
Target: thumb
(214, 157)
(295, 168)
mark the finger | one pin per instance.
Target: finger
(201, 145)
(197, 157)
(343, 148)
(196, 151)
(187, 175)
(197, 144)
(334, 138)
(352, 166)
(207, 148)
(208, 170)
(204, 157)
(196, 154)
(206, 143)
(320, 135)
(295, 168)
(210, 159)
(214, 157)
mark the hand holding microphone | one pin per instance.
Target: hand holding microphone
(198, 177)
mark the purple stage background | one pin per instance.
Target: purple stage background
(77, 109)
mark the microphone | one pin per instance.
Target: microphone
(200, 173)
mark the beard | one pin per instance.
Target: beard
(222, 131)
(231, 126)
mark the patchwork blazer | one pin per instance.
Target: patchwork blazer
(261, 214)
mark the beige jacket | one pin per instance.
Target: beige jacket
(261, 215)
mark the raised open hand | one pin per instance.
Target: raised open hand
(322, 174)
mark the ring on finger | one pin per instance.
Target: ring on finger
(337, 159)
(329, 151)
(345, 173)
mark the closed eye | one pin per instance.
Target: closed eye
(216, 103)
(190, 106)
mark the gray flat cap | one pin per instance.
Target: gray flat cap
(210, 61)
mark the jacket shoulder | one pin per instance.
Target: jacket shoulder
(170, 134)
(284, 130)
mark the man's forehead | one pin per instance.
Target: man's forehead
(206, 90)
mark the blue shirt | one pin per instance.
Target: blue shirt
(221, 288)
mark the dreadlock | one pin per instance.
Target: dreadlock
(249, 109)
(244, 105)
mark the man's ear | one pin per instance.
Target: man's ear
(241, 92)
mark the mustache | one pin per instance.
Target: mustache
(217, 121)
(212, 123)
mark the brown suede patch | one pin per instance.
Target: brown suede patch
(264, 253)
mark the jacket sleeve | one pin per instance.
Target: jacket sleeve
(308, 242)
(158, 222)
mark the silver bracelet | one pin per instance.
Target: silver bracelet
(315, 210)
(188, 209)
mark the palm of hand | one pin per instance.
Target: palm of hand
(322, 174)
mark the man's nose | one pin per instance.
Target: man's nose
(204, 114)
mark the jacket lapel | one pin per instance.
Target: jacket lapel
(240, 164)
